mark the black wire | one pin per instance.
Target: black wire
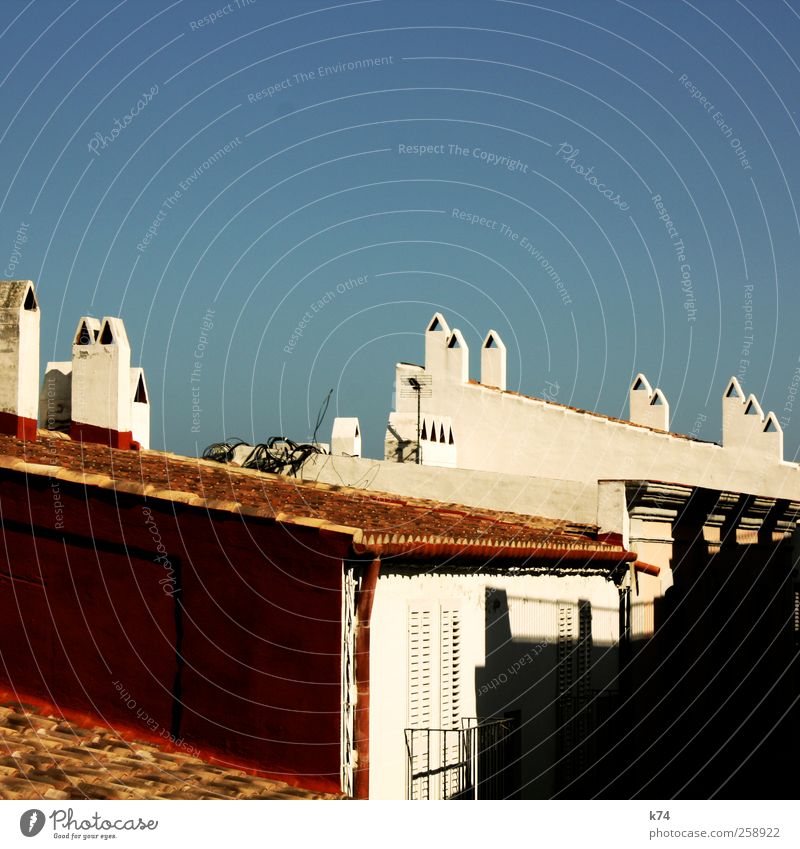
(278, 455)
(222, 452)
(321, 415)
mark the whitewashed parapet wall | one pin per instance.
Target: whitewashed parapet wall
(19, 358)
(505, 432)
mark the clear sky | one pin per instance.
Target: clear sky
(291, 189)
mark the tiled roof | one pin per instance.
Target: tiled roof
(45, 756)
(370, 517)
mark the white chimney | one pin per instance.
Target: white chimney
(346, 437)
(55, 400)
(493, 361)
(436, 336)
(101, 383)
(648, 406)
(735, 429)
(19, 358)
(746, 428)
(140, 408)
(771, 443)
(457, 358)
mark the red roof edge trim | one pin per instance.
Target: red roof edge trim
(478, 551)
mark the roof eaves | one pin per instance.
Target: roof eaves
(176, 495)
(431, 548)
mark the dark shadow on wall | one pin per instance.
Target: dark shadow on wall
(557, 692)
(713, 709)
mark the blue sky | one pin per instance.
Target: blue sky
(626, 201)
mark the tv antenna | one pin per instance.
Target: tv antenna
(421, 386)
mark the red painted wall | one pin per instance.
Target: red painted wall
(90, 620)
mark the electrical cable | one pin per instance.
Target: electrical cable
(278, 455)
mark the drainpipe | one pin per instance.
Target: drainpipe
(364, 600)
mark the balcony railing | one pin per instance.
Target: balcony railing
(469, 762)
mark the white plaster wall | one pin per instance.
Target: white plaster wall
(523, 689)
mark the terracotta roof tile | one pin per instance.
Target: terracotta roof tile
(210, 485)
(49, 757)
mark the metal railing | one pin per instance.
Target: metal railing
(458, 763)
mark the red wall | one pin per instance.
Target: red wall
(254, 611)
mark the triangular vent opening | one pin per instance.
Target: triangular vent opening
(84, 337)
(770, 426)
(639, 385)
(140, 396)
(491, 343)
(453, 343)
(106, 337)
(751, 410)
(30, 300)
(435, 325)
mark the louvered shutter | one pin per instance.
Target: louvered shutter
(450, 668)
